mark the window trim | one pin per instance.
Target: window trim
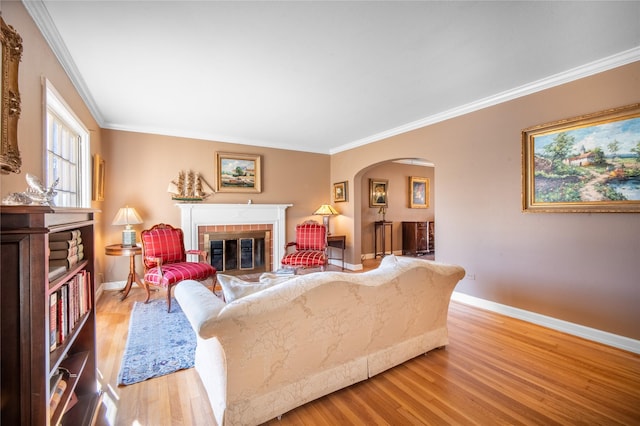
(54, 101)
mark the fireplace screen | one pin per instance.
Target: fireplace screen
(239, 252)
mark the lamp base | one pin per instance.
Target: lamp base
(128, 238)
(325, 222)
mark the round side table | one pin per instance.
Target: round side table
(132, 252)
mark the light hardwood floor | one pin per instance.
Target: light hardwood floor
(496, 370)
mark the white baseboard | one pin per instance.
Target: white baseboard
(347, 266)
(116, 285)
(588, 333)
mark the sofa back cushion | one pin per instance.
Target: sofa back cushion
(234, 288)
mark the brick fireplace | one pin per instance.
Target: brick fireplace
(237, 221)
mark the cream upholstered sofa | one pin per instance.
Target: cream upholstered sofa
(276, 349)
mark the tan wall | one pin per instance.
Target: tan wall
(139, 168)
(580, 268)
(38, 62)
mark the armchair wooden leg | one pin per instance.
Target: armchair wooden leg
(169, 299)
(146, 287)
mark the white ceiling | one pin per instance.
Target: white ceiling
(322, 76)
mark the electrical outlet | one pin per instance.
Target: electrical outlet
(470, 277)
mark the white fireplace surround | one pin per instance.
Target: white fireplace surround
(194, 215)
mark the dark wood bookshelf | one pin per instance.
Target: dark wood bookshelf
(27, 363)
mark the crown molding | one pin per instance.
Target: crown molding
(601, 65)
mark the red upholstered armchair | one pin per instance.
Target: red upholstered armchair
(310, 247)
(165, 260)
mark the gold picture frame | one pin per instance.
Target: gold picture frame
(238, 172)
(10, 161)
(586, 164)
(419, 192)
(98, 178)
(378, 192)
(340, 192)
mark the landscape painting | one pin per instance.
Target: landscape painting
(587, 164)
(237, 172)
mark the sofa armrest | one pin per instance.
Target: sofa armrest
(200, 306)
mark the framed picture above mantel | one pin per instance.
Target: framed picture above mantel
(586, 164)
(238, 172)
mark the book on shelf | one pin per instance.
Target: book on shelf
(63, 316)
(64, 245)
(56, 395)
(68, 262)
(65, 235)
(56, 271)
(53, 321)
(66, 253)
(72, 300)
(53, 382)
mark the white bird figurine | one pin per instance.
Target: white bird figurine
(38, 192)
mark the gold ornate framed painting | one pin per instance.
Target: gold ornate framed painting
(10, 161)
(98, 178)
(586, 164)
(238, 172)
(418, 192)
(340, 192)
(378, 192)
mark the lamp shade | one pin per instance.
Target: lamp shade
(127, 216)
(326, 210)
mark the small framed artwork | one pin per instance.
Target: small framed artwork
(98, 178)
(238, 172)
(418, 192)
(586, 164)
(340, 192)
(378, 189)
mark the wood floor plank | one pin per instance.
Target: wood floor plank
(496, 370)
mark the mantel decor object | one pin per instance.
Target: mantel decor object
(189, 187)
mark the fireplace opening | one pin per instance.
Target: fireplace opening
(240, 252)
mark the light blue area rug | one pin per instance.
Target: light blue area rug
(158, 343)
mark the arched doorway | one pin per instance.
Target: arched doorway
(397, 173)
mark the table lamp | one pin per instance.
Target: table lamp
(326, 211)
(127, 216)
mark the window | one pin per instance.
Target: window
(67, 154)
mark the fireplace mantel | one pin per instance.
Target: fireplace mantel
(193, 215)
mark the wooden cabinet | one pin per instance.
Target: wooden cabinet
(26, 356)
(417, 238)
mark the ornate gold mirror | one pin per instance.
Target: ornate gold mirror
(10, 161)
